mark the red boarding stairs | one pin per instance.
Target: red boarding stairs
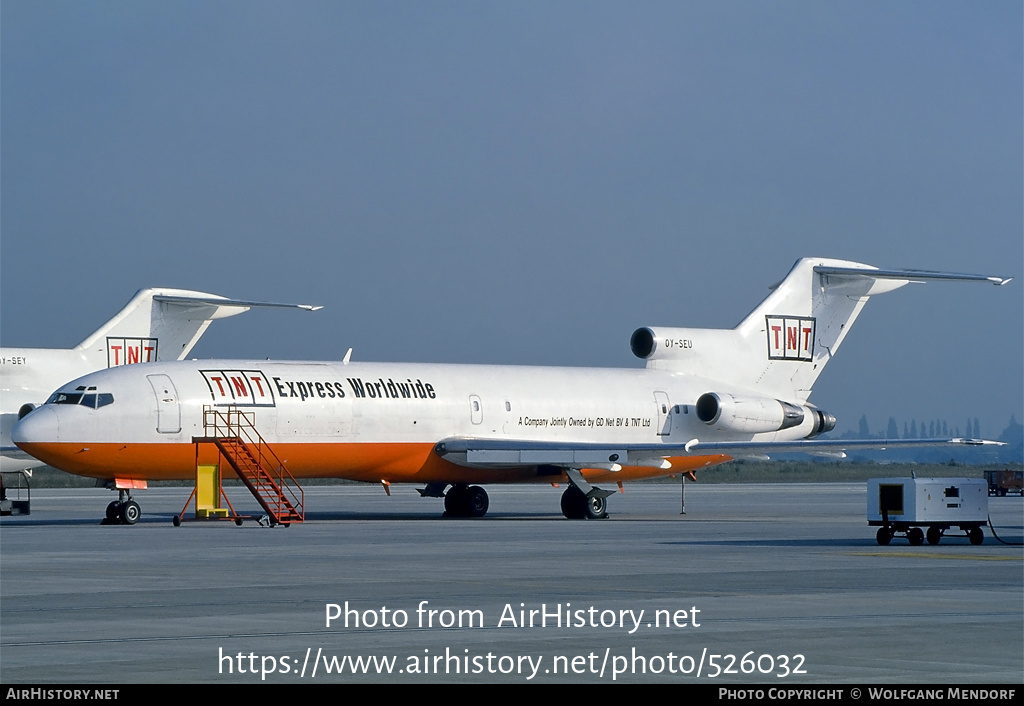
(235, 435)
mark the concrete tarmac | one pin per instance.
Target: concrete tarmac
(774, 584)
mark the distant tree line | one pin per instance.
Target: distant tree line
(936, 428)
(1012, 436)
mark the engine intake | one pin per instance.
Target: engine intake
(642, 343)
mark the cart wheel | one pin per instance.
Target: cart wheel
(976, 535)
(934, 535)
(238, 521)
(915, 536)
(176, 521)
(883, 536)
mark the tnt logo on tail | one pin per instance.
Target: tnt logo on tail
(126, 351)
(790, 338)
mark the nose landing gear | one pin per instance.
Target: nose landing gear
(123, 511)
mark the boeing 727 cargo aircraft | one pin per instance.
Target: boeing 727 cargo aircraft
(155, 325)
(704, 397)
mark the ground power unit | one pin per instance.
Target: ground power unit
(906, 505)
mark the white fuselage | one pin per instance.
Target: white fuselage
(371, 421)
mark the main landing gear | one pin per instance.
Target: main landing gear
(582, 501)
(123, 511)
(466, 501)
(577, 506)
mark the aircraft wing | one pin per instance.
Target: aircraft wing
(511, 452)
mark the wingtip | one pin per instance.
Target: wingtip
(977, 442)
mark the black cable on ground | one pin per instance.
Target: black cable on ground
(998, 539)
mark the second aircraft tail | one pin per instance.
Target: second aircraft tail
(162, 324)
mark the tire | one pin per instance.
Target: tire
(976, 535)
(915, 536)
(934, 534)
(114, 512)
(131, 512)
(574, 503)
(455, 501)
(176, 521)
(475, 501)
(596, 508)
(883, 536)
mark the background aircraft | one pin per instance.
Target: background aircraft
(705, 396)
(155, 325)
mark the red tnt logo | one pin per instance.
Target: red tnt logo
(239, 387)
(126, 351)
(790, 338)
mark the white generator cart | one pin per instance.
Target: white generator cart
(906, 505)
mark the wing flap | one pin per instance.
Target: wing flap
(521, 452)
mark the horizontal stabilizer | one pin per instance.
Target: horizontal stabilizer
(909, 275)
(197, 300)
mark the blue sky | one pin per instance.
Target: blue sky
(523, 182)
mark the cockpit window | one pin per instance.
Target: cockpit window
(65, 398)
(86, 399)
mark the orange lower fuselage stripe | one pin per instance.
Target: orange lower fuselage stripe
(370, 462)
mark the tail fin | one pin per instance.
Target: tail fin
(782, 346)
(162, 324)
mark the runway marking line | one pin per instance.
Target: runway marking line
(915, 555)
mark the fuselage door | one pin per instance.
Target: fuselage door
(664, 413)
(476, 409)
(168, 411)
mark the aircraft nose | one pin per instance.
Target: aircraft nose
(38, 427)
